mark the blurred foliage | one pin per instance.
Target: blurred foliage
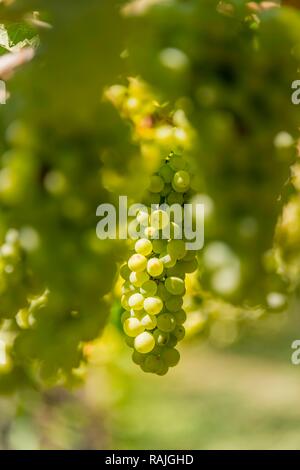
(212, 79)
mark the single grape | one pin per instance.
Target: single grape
(125, 271)
(138, 358)
(162, 292)
(143, 247)
(138, 278)
(156, 184)
(181, 181)
(190, 255)
(166, 173)
(144, 342)
(170, 356)
(133, 327)
(137, 263)
(166, 191)
(149, 322)
(174, 198)
(190, 266)
(166, 322)
(124, 316)
(124, 301)
(149, 288)
(175, 285)
(159, 246)
(129, 340)
(153, 363)
(155, 267)
(136, 301)
(176, 271)
(153, 305)
(153, 198)
(172, 342)
(176, 249)
(180, 316)
(177, 163)
(179, 332)
(174, 303)
(161, 337)
(168, 261)
(163, 370)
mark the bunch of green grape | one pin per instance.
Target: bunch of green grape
(155, 273)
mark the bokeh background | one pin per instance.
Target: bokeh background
(91, 110)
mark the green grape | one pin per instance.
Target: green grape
(181, 181)
(168, 260)
(180, 316)
(161, 337)
(175, 285)
(179, 332)
(176, 249)
(149, 322)
(144, 342)
(159, 246)
(149, 288)
(189, 266)
(133, 327)
(137, 263)
(153, 198)
(138, 278)
(124, 316)
(153, 305)
(190, 255)
(155, 267)
(129, 340)
(166, 322)
(153, 363)
(128, 288)
(125, 272)
(166, 173)
(174, 198)
(170, 356)
(162, 292)
(136, 301)
(174, 303)
(176, 271)
(143, 247)
(172, 342)
(144, 367)
(156, 184)
(163, 370)
(177, 163)
(159, 219)
(166, 191)
(124, 301)
(138, 358)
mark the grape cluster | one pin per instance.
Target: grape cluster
(154, 275)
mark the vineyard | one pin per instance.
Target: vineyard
(190, 104)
